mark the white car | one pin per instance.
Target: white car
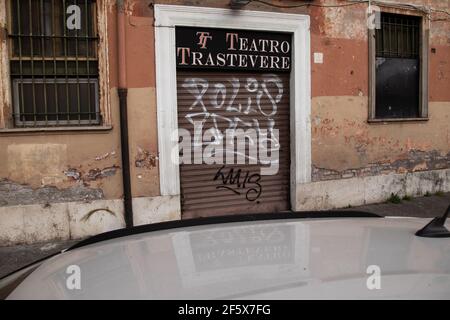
(312, 255)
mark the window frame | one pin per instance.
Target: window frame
(423, 76)
(7, 106)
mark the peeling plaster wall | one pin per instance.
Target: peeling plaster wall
(61, 165)
(18, 194)
(344, 144)
(67, 165)
(50, 180)
(340, 89)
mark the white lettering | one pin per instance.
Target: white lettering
(197, 58)
(285, 47)
(243, 44)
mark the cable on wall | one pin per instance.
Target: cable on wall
(408, 6)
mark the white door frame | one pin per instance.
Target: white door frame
(169, 16)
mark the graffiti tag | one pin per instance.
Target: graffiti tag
(240, 182)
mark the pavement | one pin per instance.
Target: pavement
(423, 207)
(13, 258)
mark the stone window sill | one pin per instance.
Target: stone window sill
(395, 120)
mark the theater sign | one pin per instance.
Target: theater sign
(232, 49)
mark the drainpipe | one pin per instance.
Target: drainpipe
(123, 91)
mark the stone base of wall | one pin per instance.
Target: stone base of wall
(332, 194)
(156, 209)
(26, 224)
(414, 161)
(33, 223)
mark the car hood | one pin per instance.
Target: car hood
(279, 259)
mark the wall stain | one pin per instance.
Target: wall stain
(90, 213)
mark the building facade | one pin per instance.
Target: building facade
(358, 96)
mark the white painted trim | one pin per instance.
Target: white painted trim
(168, 16)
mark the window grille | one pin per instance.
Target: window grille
(54, 69)
(398, 36)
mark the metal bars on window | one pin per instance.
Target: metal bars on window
(399, 36)
(54, 62)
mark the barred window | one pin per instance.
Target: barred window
(54, 63)
(398, 68)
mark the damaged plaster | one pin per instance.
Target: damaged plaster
(92, 174)
(105, 156)
(12, 193)
(145, 159)
(95, 174)
(413, 161)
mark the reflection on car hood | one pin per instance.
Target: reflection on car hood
(278, 259)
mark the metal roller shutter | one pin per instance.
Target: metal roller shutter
(224, 100)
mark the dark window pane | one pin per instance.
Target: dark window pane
(397, 88)
(398, 66)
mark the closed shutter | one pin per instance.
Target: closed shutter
(234, 100)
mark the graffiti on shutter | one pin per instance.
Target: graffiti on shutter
(233, 120)
(235, 146)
